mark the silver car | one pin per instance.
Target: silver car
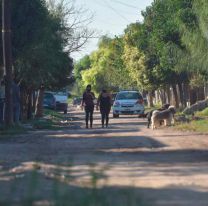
(128, 103)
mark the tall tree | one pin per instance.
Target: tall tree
(7, 60)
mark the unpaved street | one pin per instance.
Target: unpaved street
(163, 167)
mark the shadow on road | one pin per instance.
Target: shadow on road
(48, 191)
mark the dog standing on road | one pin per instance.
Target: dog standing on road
(149, 114)
(167, 116)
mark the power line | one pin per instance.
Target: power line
(125, 4)
(113, 9)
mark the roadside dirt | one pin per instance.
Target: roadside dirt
(164, 167)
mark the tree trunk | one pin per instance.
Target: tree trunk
(193, 96)
(7, 59)
(162, 96)
(200, 93)
(150, 99)
(22, 104)
(39, 103)
(157, 97)
(29, 104)
(206, 90)
(34, 99)
(175, 95)
(186, 89)
(168, 94)
(181, 93)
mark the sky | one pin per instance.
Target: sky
(111, 17)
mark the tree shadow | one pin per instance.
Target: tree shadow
(35, 189)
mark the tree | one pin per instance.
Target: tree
(107, 66)
(7, 60)
(160, 40)
(81, 65)
(75, 21)
(39, 47)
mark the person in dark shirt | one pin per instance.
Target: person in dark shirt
(88, 103)
(104, 102)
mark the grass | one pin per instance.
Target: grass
(51, 121)
(16, 129)
(147, 109)
(195, 126)
(44, 124)
(198, 125)
(203, 113)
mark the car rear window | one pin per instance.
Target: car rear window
(128, 95)
(48, 95)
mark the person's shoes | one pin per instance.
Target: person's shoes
(103, 126)
(91, 126)
(87, 127)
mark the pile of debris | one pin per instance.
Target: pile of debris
(198, 106)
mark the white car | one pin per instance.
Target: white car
(128, 102)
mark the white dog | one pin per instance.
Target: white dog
(167, 116)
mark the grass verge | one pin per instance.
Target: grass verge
(16, 129)
(195, 126)
(51, 120)
(198, 123)
(203, 113)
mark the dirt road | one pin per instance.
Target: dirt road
(163, 167)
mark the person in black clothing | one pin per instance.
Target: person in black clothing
(104, 102)
(88, 103)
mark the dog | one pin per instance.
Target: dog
(167, 116)
(149, 114)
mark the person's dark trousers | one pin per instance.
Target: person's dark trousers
(89, 115)
(105, 118)
(1, 111)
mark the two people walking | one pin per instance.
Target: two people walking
(103, 102)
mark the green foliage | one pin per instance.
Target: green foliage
(38, 44)
(203, 113)
(107, 69)
(134, 59)
(160, 41)
(83, 64)
(193, 25)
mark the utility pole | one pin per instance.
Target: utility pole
(7, 59)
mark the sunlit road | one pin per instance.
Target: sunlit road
(163, 167)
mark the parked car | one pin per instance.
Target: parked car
(77, 101)
(49, 101)
(61, 101)
(113, 98)
(128, 102)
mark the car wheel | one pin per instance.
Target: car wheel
(115, 115)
